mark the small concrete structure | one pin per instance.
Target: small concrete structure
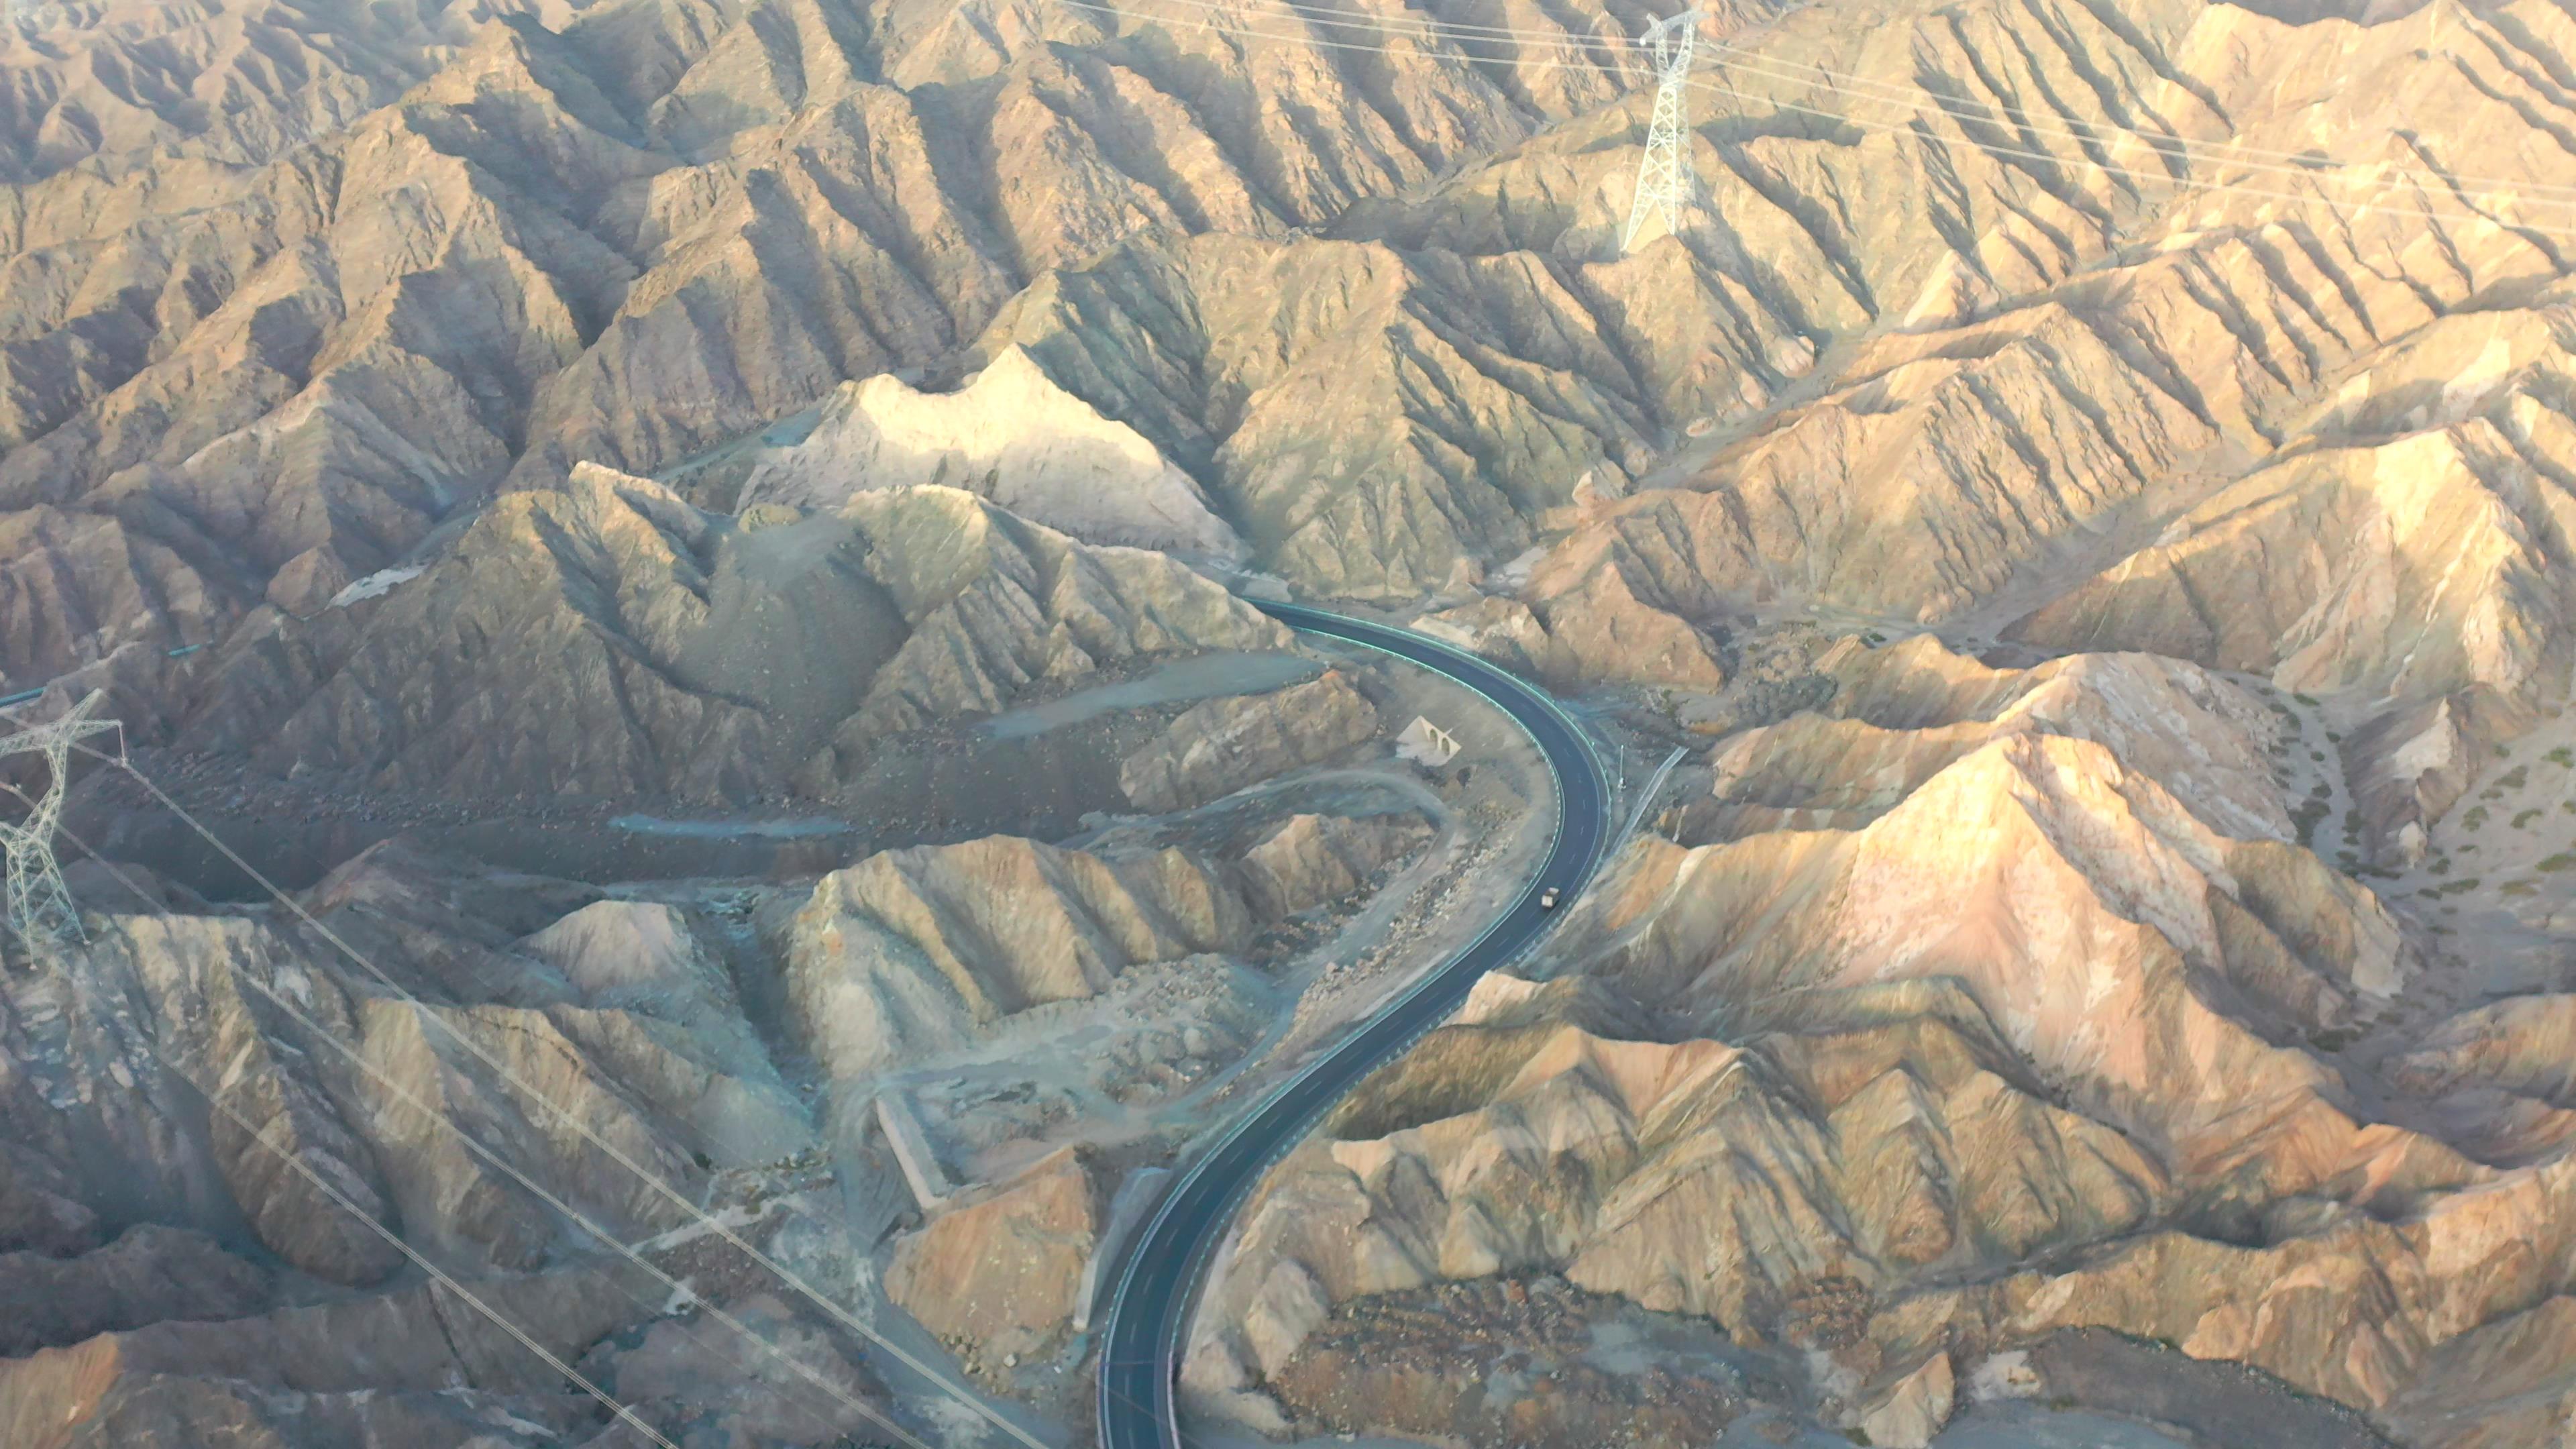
(921, 1171)
(1426, 743)
(41, 912)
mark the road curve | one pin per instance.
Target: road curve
(1157, 1284)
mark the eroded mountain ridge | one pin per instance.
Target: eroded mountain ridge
(2093, 476)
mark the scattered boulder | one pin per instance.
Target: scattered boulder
(1511, 1361)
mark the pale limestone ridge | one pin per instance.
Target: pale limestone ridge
(1860, 1055)
(2518, 1045)
(1902, 714)
(1360, 424)
(1310, 859)
(2410, 568)
(925, 950)
(1927, 1152)
(2036, 850)
(912, 951)
(1215, 748)
(995, 604)
(374, 263)
(101, 1118)
(2030, 1016)
(667, 664)
(1601, 634)
(1010, 435)
(1380, 414)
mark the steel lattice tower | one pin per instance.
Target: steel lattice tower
(1664, 179)
(40, 906)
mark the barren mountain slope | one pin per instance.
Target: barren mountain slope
(237, 1073)
(510, 1072)
(622, 236)
(2020, 1044)
(2299, 419)
(1382, 414)
(921, 951)
(537, 407)
(114, 87)
(610, 641)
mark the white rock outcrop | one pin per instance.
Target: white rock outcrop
(1012, 435)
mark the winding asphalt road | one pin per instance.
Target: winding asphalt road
(1157, 1285)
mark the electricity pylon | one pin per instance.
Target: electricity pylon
(40, 906)
(1664, 172)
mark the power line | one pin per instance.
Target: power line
(2167, 145)
(2180, 182)
(594, 1229)
(2315, 177)
(2170, 145)
(707, 1221)
(40, 909)
(1905, 128)
(440, 1276)
(1664, 173)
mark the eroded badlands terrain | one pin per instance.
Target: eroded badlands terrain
(677, 576)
